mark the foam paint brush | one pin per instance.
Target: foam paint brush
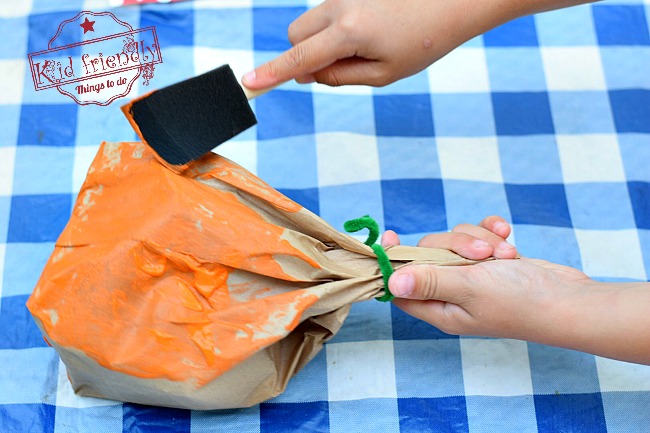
(184, 121)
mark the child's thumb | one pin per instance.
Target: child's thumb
(425, 282)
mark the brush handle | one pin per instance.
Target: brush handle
(250, 93)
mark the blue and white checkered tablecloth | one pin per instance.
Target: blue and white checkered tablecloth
(545, 121)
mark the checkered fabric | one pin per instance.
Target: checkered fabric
(545, 121)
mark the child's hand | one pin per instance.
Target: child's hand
(373, 42)
(377, 42)
(520, 298)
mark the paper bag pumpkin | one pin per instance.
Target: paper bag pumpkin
(203, 289)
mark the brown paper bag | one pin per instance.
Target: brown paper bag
(203, 289)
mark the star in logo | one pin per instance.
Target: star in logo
(87, 26)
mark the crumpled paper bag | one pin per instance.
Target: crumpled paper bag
(199, 289)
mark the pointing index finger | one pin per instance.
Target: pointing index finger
(304, 58)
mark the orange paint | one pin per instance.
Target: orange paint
(138, 280)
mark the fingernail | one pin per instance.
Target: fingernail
(505, 246)
(479, 244)
(249, 78)
(402, 285)
(500, 226)
(306, 79)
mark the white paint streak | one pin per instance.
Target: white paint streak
(278, 323)
(138, 151)
(205, 210)
(87, 201)
(113, 155)
(54, 316)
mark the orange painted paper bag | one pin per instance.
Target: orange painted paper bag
(199, 289)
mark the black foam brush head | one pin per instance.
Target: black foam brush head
(184, 121)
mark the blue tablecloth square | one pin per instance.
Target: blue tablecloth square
(414, 205)
(341, 203)
(21, 276)
(407, 327)
(38, 218)
(308, 198)
(522, 113)
(555, 244)
(621, 65)
(49, 97)
(52, 166)
(486, 198)
(177, 65)
(631, 110)
(584, 112)
(538, 204)
(549, 373)
(639, 193)
(284, 113)
(570, 413)
(601, 206)
(403, 115)
(289, 162)
(234, 28)
(47, 25)
(520, 32)
(18, 418)
(644, 240)
(75, 420)
(567, 27)
(511, 414)
(9, 124)
(17, 327)
(367, 415)
(515, 69)
(283, 417)
(424, 415)
(635, 151)
(38, 368)
(14, 43)
(428, 368)
(43, 6)
(622, 410)
(350, 113)
(530, 159)
(151, 419)
(110, 125)
(5, 208)
(408, 157)
(48, 125)
(173, 27)
(267, 21)
(463, 115)
(621, 24)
